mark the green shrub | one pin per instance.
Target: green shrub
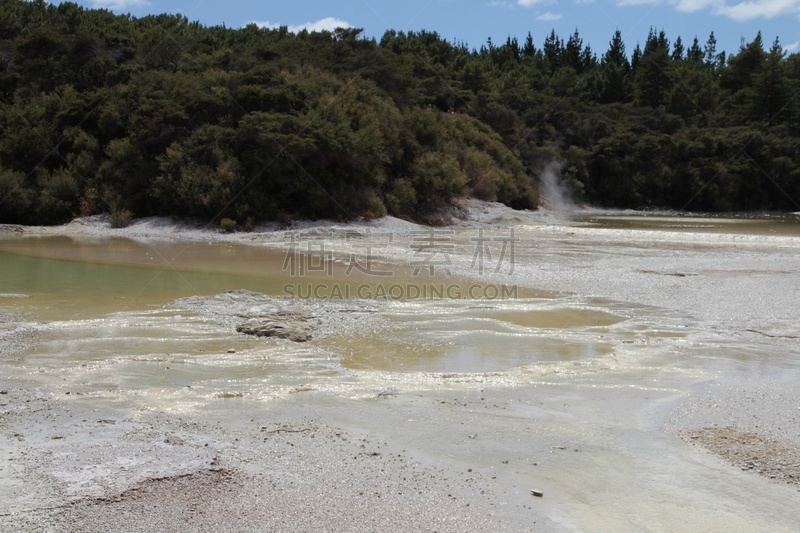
(88, 202)
(401, 199)
(374, 207)
(15, 198)
(121, 218)
(227, 225)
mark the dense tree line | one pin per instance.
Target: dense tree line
(162, 116)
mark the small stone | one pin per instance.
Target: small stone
(537, 493)
(231, 350)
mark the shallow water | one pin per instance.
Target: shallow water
(620, 321)
(771, 225)
(67, 277)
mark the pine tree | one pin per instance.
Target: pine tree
(653, 81)
(677, 49)
(614, 72)
(695, 53)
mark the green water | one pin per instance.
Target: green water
(72, 288)
(68, 278)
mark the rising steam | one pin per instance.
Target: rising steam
(555, 194)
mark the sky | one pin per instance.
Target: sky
(475, 21)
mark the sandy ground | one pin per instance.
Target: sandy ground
(293, 475)
(291, 472)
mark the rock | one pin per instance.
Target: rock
(292, 325)
(537, 493)
(296, 319)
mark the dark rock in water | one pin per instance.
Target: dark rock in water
(295, 319)
(292, 325)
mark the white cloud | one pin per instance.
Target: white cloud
(326, 24)
(741, 11)
(755, 9)
(531, 3)
(792, 47)
(119, 5)
(624, 3)
(690, 6)
(549, 15)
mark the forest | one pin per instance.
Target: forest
(159, 115)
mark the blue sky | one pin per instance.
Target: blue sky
(473, 21)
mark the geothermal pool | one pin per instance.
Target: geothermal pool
(568, 382)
